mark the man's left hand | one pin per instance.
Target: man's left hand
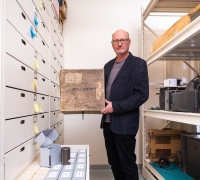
(108, 108)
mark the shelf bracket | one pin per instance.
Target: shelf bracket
(191, 67)
(145, 25)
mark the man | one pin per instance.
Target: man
(127, 88)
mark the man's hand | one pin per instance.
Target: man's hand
(108, 108)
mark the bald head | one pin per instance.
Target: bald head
(120, 31)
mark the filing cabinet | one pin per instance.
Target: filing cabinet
(32, 59)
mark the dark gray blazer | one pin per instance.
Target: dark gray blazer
(129, 91)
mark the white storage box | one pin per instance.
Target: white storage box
(50, 154)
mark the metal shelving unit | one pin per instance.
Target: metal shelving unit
(184, 46)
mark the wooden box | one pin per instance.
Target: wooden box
(164, 143)
(82, 90)
(174, 29)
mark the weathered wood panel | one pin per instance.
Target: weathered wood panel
(82, 90)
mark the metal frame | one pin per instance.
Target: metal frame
(192, 30)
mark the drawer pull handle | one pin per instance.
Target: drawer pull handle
(54, 113)
(54, 100)
(42, 116)
(22, 95)
(23, 16)
(24, 42)
(22, 122)
(22, 149)
(43, 79)
(54, 44)
(43, 43)
(54, 127)
(43, 24)
(43, 61)
(60, 134)
(23, 68)
(60, 123)
(54, 58)
(54, 30)
(54, 85)
(55, 72)
(43, 98)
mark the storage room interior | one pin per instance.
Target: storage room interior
(87, 34)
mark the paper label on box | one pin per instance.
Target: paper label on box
(56, 167)
(66, 174)
(72, 154)
(81, 160)
(79, 174)
(80, 166)
(53, 174)
(68, 167)
(82, 155)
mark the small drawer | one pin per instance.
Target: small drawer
(20, 76)
(55, 117)
(60, 47)
(22, 23)
(54, 32)
(60, 126)
(43, 65)
(54, 62)
(60, 138)
(53, 18)
(19, 130)
(54, 76)
(43, 12)
(21, 103)
(54, 104)
(17, 159)
(54, 90)
(54, 48)
(47, 4)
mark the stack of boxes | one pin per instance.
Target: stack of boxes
(76, 170)
(62, 12)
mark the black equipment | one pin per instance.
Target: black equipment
(163, 161)
(186, 101)
(190, 154)
(165, 96)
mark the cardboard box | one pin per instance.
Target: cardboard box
(50, 154)
(174, 29)
(164, 143)
(82, 90)
(63, 8)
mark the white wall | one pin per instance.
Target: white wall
(87, 33)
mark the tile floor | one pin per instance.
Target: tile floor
(105, 175)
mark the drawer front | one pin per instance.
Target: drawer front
(55, 104)
(59, 126)
(54, 76)
(28, 58)
(20, 76)
(31, 11)
(54, 32)
(19, 130)
(54, 90)
(61, 38)
(60, 116)
(19, 158)
(60, 138)
(53, 18)
(61, 47)
(43, 12)
(54, 62)
(21, 22)
(54, 48)
(21, 103)
(56, 117)
(47, 5)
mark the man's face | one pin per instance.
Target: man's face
(120, 42)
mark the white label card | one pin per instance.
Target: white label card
(79, 174)
(53, 174)
(66, 174)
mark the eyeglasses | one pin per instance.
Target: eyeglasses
(116, 41)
